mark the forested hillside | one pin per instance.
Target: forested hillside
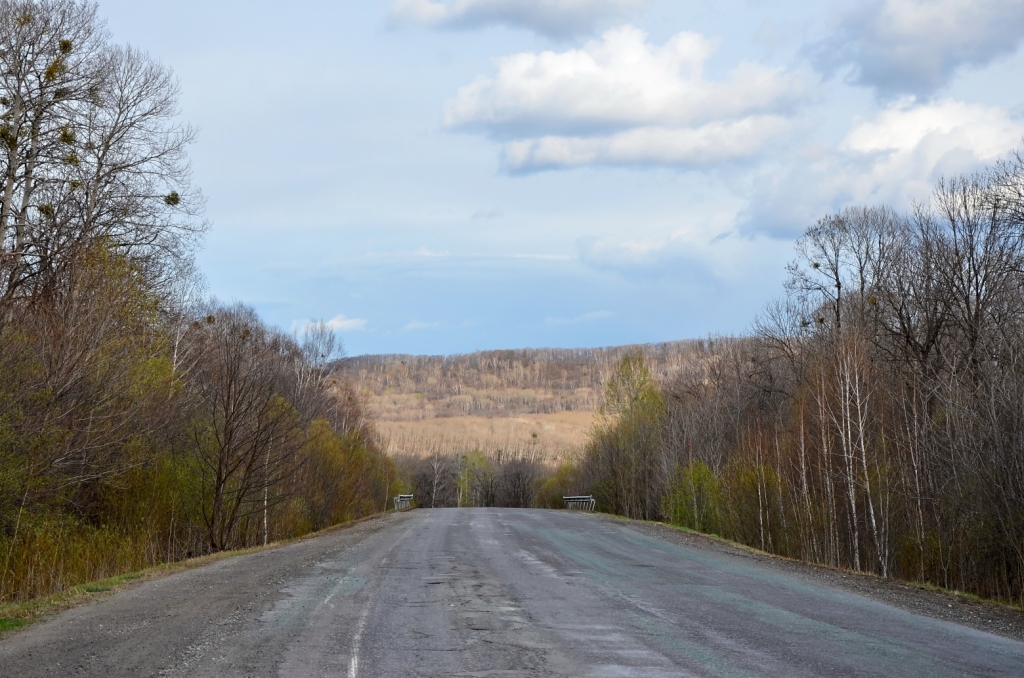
(541, 400)
(139, 423)
(496, 383)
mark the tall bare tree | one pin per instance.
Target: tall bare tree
(91, 150)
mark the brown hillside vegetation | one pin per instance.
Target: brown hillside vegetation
(543, 399)
(552, 434)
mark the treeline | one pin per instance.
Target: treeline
(519, 381)
(450, 473)
(874, 420)
(513, 476)
(139, 424)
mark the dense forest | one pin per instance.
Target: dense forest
(873, 420)
(139, 423)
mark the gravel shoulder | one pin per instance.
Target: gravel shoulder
(18, 616)
(991, 617)
(205, 621)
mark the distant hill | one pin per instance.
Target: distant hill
(497, 383)
(544, 397)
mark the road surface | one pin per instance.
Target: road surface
(497, 592)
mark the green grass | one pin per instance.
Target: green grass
(96, 588)
(7, 623)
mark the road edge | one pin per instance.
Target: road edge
(18, 616)
(990, 616)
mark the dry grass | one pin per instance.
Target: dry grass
(542, 400)
(555, 433)
(395, 405)
(22, 613)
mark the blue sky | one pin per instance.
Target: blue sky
(442, 176)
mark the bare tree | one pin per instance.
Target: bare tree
(247, 433)
(92, 150)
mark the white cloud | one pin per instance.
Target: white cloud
(894, 157)
(552, 17)
(915, 46)
(618, 81)
(709, 144)
(910, 146)
(340, 323)
(906, 126)
(620, 100)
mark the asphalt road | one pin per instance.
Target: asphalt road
(497, 592)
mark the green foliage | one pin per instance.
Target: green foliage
(632, 393)
(694, 499)
(55, 70)
(564, 482)
(476, 474)
(7, 624)
(101, 457)
(342, 477)
(625, 444)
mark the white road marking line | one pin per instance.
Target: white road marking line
(353, 664)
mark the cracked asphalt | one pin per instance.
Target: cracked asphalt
(498, 592)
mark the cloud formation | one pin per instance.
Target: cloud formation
(894, 157)
(551, 17)
(915, 46)
(340, 323)
(932, 139)
(623, 100)
(710, 144)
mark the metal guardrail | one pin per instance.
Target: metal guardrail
(580, 503)
(402, 501)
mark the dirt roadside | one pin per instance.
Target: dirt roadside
(18, 616)
(995, 618)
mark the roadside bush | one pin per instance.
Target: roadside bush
(694, 500)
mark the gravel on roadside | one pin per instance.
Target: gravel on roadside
(992, 617)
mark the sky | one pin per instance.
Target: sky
(444, 176)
